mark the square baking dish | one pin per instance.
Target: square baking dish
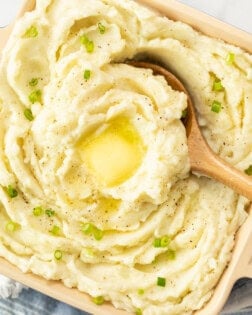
(241, 263)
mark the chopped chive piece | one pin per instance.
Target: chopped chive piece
(88, 252)
(217, 85)
(37, 211)
(84, 40)
(49, 212)
(11, 191)
(161, 242)
(184, 113)
(157, 242)
(98, 300)
(87, 74)
(248, 171)
(55, 230)
(216, 107)
(165, 240)
(87, 228)
(140, 291)
(90, 229)
(138, 311)
(28, 114)
(171, 254)
(33, 82)
(102, 28)
(98, 234)
(90, 47)
(35, 96)
(89, 44)
(230, 58)
(58, 254)
(161, 282)
(11, 226)
(31, 32)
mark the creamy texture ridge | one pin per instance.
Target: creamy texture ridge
(95, 188)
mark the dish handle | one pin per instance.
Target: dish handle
(239, 267)
(243, 267)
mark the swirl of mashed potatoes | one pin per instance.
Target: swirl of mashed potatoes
(95, 187)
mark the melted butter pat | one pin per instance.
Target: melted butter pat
(115, 154)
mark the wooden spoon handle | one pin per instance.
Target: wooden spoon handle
(204, 161)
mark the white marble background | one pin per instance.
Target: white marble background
(236, 12)
(8, 10)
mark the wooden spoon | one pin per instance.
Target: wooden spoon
(202, 159)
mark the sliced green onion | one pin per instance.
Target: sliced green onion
(98, 234)
(98, 300)
(171, 254)
(88, 252)
(35, 96)
(49, 212)
(102, 28)
(33, 82)
(87, 228)
(157, 242)
(31, 32)
(248, 171)
(11, 191)
(55, 230)
(140, 291)
(89, 44)
(230, 58)
(87, 74)
(216, 107)
(138, 311)
(90, 47)
(84, 39)
(90, 229)
(58, 254)
(184, 113)
(162, 242)
(37, 211)
(161, 282)
(11, 226)
(165, 241)
(28, 114)
(217, 85)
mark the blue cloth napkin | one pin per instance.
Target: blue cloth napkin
(31, 302)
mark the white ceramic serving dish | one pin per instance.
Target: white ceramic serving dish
(241, 263)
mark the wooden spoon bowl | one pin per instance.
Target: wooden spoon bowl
(202, 159)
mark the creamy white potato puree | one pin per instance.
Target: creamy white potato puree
(95, 188)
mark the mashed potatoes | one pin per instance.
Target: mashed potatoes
(95, 188)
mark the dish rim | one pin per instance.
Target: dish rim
(207, 25)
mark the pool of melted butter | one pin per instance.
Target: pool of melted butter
(113, 155)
